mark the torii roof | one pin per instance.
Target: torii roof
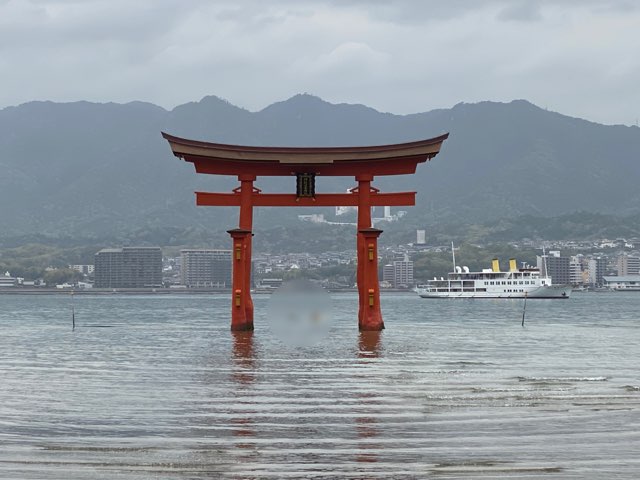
(222, 159)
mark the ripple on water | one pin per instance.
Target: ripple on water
(450, 389)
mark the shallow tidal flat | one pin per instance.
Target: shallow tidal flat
(157, 387)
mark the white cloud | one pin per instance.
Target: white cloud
(577, 57)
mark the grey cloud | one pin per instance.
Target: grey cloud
(522, 11)
(399, 56)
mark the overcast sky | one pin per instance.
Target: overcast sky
(578, 57)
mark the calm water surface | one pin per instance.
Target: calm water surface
(157, 387)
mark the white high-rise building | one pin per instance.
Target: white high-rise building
(575, 271)
(421, 237)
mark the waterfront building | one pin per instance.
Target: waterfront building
(575, 271)
(399, 273)
(84, 269)
(270, 283)
(555, 266)
(628, 265)
(623, 283)
(206, 268)
(388, 274)
(128, 267)
(313, 218)
(597, 268)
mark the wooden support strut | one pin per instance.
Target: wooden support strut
(259, 199)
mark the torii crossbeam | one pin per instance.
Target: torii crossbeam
(363, 163)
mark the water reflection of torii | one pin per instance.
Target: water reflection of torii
(369, 347)
(244, 366)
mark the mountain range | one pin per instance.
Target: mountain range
(85, 169)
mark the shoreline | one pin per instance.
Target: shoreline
(156, 291)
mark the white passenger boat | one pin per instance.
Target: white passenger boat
(492, 283)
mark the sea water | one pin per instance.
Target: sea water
(158, 387)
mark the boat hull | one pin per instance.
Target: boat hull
(547, 291)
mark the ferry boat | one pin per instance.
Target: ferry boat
(525, 282)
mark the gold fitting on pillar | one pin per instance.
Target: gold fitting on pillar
(238, 252)
(371, 297)
(238, 297)
(371, 252)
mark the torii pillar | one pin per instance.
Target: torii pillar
(363, 163)
(239, 322)
(369, 313)
(241, 303)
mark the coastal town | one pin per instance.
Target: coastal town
(601, 265)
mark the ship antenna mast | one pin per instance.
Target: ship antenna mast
(453, 256)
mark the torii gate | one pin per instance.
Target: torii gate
(247, 163)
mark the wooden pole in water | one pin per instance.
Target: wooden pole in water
(73, 313)
(524, 308)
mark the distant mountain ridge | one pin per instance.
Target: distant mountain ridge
(86, 169)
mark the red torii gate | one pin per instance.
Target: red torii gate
(247, 163)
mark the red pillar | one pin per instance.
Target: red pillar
(369, 316)
(246, 223)
(364, 221)
(239, 255)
